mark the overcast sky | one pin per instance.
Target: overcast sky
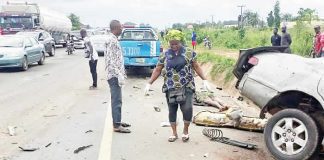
(163, 13)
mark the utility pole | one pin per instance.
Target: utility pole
(212, 20)
(241, 16)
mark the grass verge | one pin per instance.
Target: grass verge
(220, 65)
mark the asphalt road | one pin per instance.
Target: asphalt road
(52, 110)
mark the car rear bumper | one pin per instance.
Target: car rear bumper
(10, 62)
(140, 62)
(78, 46)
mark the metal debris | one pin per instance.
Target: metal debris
(217, 135)
(28, 149)
(89, 131)
(82, 148)
(48, 145)
(157, 109)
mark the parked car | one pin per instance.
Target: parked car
(20, 51)
(78, 43)
(141, 47)
(99, 43)
(76, 33)
(43, 37)
(291, 89)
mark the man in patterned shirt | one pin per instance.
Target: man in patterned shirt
(116, 74)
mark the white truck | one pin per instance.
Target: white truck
(18, 16)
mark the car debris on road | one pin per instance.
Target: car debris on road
(28, 149)
(217, 135)
(11, 130)
(82, 148)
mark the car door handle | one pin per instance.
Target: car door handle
(139, 44)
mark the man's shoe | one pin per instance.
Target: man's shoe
(92, 88)
(122, 130)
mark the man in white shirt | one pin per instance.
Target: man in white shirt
(115, 74)
(92, 55)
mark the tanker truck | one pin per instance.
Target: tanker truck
(18, 16)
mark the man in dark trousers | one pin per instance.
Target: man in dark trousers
(116, 75)
(286, 39)
(275, 38)
(92, 55)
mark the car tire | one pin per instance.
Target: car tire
(24, 64)
(52, 52)
(295, 129)
(42, 59)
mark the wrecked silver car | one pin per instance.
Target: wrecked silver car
(291, 89)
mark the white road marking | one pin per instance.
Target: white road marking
(105, 146)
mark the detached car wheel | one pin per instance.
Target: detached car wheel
(292, 134)
(24, 64)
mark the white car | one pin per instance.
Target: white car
(99, 43)
(291, 89)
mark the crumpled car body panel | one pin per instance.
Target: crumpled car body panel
(278, 73)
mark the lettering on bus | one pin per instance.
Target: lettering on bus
(131, 51)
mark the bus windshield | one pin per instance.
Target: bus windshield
(16, 22)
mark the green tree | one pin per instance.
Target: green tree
(307, 15)
(287, 17)
(277, 18)
(75, 20)
(251, 18)
(178, 26)
(270, 19)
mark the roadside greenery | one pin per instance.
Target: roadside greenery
(221, 66)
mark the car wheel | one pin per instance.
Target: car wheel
(24, 64)
(292, 134)
(52, 53)
(42, 59)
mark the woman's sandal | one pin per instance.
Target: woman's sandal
(185, 137)
(172, 138)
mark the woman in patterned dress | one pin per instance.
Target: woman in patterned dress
(177, 66)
